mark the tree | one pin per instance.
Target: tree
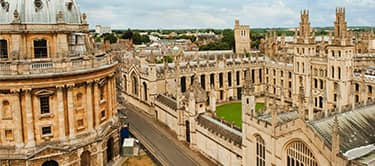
(215, 46)
(140, 39)
(111, 37)
(127, 35)
(228, 37)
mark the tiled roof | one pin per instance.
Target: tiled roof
(356, 128)
(169, 102)
(221, 129)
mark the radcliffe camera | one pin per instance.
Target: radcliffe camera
(187, 83)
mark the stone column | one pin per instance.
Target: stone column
(18, 119)
(352, 90)
(96, 104)
(60, 112)
(325, 106)
(89, 106)
(29, 119)
(364, 93)
(109, 96)
(71, 111)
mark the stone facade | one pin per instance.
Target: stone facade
(304, 83)
(57, 92)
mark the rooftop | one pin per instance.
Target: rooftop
(40, 11)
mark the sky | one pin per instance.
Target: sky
(180, 14)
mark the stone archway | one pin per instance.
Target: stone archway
(85, 158)
(109, 150)
(50, 163)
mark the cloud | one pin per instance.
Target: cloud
(123, 14)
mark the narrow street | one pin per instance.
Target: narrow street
(161, 145)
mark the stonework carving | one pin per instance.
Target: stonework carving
(38, 5)
(60, 17)
(16, 17)
(5, 5)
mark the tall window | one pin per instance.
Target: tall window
(261, 151)
(238, 77)
(135, 85)
(299, 154)
(229, 79)
(7, 114)
(203, 81)
(101, 92)
(40, 48)
(145, 91)
(183, 84)
(212, 79)
(3, 49)
(44, 104)
(221, 80)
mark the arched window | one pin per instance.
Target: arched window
(7, 114)
(333, 72)
(183, 84)
(109, 150)
(135, 85)
(86, 158)
(299, 154)
(3, 49)
(40, 48)
(260, 151)
(339, 72)
(145, 91)
(50, 163)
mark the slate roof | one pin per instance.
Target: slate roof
(169, 102)
(356, 128)
(282, 117)
(221, 129)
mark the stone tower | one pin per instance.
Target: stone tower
(340, 60)
(248, 99)
(304, 49)
(242, 38)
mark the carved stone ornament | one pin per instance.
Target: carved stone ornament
(4, 5)
(38, 5)
(44, 92)
(16, 16)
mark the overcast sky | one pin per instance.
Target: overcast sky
(154, 14)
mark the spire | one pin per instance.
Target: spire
(301, 102)
(335, 138)
(151, 58)
(340, 23)
(248, 88)
(274, 113)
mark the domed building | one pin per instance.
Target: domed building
(57, 91)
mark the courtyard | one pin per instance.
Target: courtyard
(232, 112)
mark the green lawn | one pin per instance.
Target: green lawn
(232, 112)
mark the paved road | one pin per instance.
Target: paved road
(166, 149)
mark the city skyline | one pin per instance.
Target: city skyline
(180, 14)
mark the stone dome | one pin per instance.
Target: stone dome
(39, 12)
